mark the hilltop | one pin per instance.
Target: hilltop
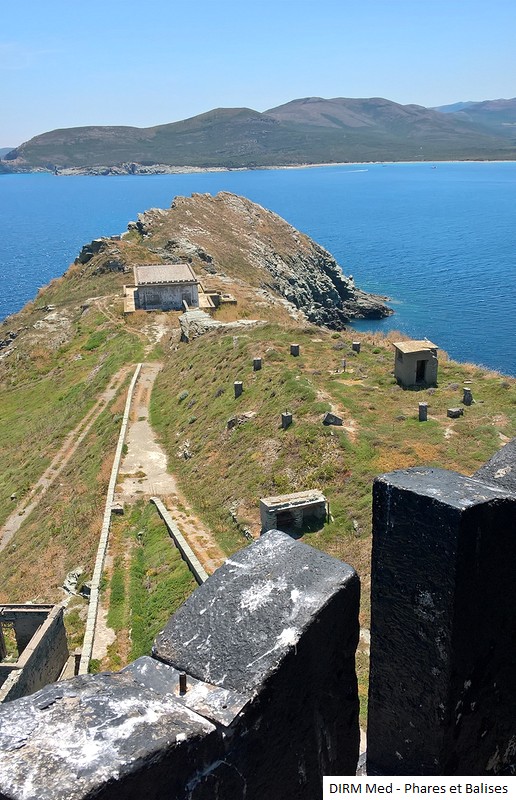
(61, 352)
(310, 130)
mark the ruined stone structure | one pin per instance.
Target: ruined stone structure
(165, 287)
(41, 644)
(251, 690)
(290, 510)
(415, 363)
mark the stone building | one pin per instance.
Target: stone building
(415, 363)
(41, 647)
(291, 510)
(165, 287)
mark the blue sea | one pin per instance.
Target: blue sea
(439, 240)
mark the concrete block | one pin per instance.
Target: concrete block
(455, 413)
(238, 387)
(355, 346)
(257, 364)
(286, 419)
(423, 412)
(294, 349)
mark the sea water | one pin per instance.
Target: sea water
(438, 239)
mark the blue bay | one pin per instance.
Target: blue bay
(440, 242)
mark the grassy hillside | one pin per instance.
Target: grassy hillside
(194, 399)
(73, 339)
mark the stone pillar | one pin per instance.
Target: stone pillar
(294, 349)
(467, 397)
(238, 387)
(423, 412)
(355, 347)
(257, 364)
(286, 419)
(442, 695)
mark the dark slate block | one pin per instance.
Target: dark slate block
(217, 704)
(442, 697)
(103, 736)
(238, 626)
(501, 468)
(278, 621)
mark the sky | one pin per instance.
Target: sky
(66, 63)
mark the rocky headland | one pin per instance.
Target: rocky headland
(232, 239)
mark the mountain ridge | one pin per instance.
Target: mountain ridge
(308, 130)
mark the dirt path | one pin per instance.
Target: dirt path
(143, 473)
(60, 460)
(349, 424)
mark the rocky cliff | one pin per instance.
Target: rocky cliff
(232, 239)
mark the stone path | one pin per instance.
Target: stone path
(144, 473)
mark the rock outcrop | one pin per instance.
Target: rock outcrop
(228, 235)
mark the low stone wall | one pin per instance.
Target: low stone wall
(182, 545)
(91, 621)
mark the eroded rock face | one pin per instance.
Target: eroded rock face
(230, 235)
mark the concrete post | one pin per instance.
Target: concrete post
(442, 695)
(238, 387)
(467, 397)
(286, 419)
(423, 412)
(356, 347)
(294, 349)
(257, 364)
(344, 365)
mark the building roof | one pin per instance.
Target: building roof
(415, 345)
(151, 274)
(294, 499)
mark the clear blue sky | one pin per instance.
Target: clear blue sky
(65, 62)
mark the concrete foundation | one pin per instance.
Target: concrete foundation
(291, 510)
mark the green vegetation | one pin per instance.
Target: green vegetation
(257, 458)
(148, 582)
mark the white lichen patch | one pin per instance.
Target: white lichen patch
(260, 593)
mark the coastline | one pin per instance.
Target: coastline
(138, 170)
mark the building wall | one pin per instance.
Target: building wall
(167, 298)
(41, 661)
(405, 367)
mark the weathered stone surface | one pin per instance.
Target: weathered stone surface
(197, 323)
(455, 413)
(217, 704)
(278, 621)
(331, 419)
(100, 736)
(501, 468)
(442, 696)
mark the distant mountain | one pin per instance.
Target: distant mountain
(4, 150)
(306, 131)
(450, 109)
(493, 116)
